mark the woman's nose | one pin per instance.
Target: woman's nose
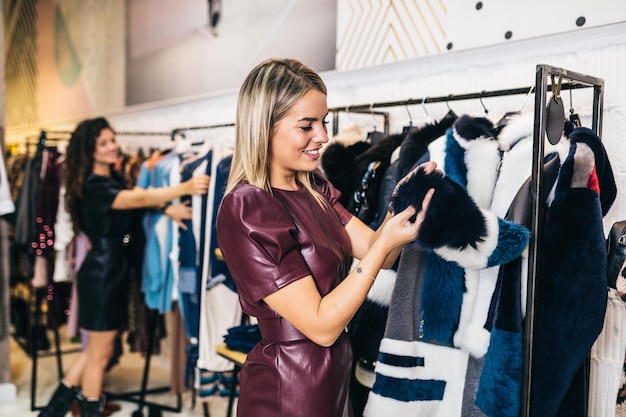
(322, 136)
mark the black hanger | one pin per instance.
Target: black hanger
(574, 118)
(374, 136)
(450, 113)
(480, 98)
(410, 128)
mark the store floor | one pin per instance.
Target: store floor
(123, 378)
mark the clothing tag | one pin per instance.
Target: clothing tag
(555, 121)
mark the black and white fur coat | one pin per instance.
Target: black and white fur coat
(473, 158)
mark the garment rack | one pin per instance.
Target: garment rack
(138, 397)
(362, 109)
(539, 134)
(176, 132)
(540, 88)
(367, 108)
(31, 348)
(152, 319)
(180, 130)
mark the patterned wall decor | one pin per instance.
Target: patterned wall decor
(372, 32)
(81, 57)
(64, 58)
(20, 43)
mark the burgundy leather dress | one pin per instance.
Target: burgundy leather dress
(268, 242)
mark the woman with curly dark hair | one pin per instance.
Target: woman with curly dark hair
(101, 206)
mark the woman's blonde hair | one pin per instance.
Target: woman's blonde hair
(266, 95)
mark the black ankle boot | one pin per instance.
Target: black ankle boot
(90, 408)
(60, 402)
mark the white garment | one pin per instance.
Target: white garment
(219, 306)
(63, 235)
(174, 251)
(607, 359)
(441, 364)
(6, 202)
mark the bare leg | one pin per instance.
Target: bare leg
(74, 375)
(98, 352)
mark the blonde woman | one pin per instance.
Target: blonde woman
(288, 244)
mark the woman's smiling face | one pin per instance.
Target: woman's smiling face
(296, 139)
(106, 152)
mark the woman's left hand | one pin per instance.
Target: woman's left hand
(178, 213)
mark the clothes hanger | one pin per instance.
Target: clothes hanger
(450, 112)
(508, 115)
(410, 128)
(374, 136)
(426, 111)
(574, 118)
(353, 126)
(182, 145)
(480, 98)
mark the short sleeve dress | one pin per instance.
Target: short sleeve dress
(269, 241)
(102, 280)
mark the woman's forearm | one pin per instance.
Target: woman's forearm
(393, 255)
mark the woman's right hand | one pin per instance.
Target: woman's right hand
(399, 229)
(197, 184)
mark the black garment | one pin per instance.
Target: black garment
(103, 276)
(368, 172)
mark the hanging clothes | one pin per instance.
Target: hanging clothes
(419, 372)
(220, 308)
(412, 152)
(337, 162)
(571, 286)
(368, 325)
(158, 274)
(6, 202)
(26, 210)
(473, 301)
(189, 240)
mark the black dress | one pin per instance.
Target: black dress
(102, 279)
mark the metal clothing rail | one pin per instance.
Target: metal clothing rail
(178, 130)
(138, 397)
(152, 319)
(358, 109)
(35, 312)
(120, 133)
(450, 97)
(541, 90)
(124, 133)
(367, 108)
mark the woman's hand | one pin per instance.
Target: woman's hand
(197, 184)
(178, 213)
(399, 229)
(428, 167)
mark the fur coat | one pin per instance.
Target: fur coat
(471, 344)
